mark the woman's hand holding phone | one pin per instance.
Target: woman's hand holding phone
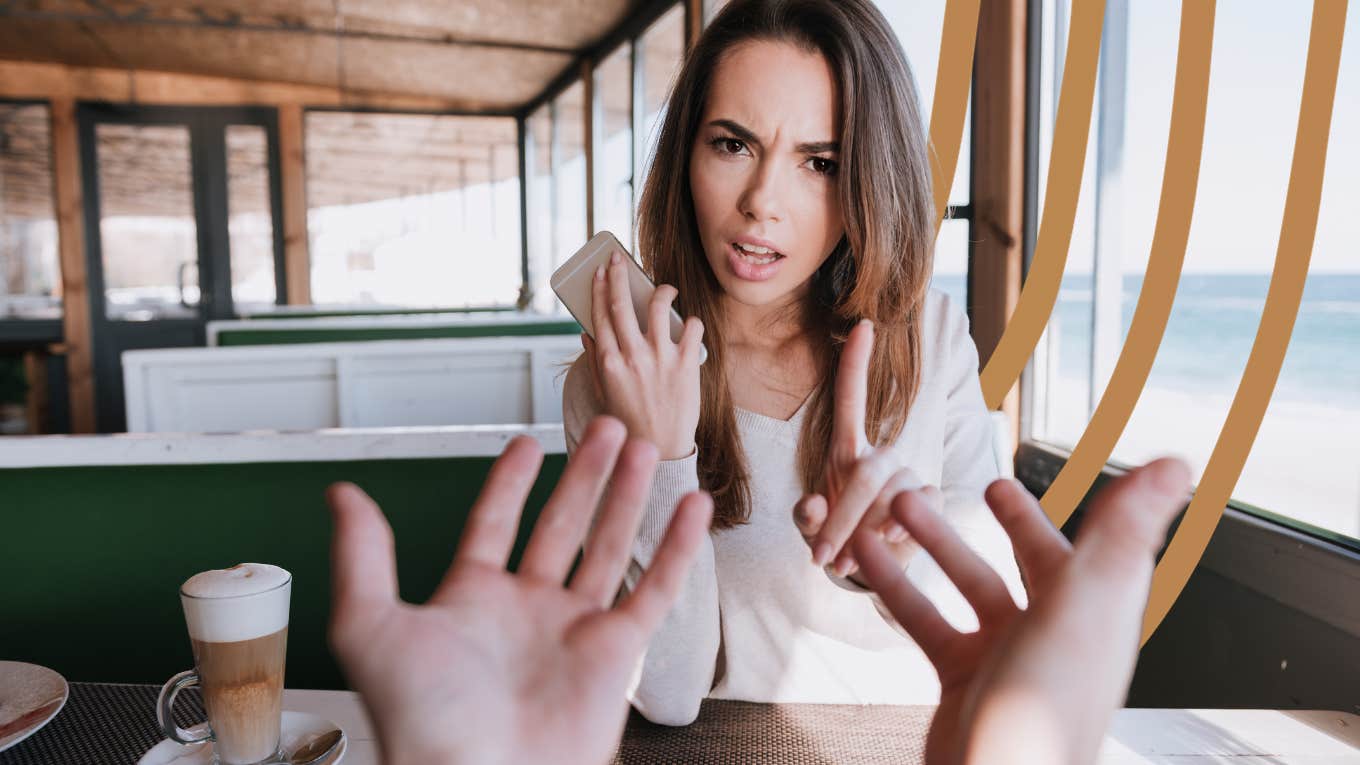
(860, 481)
(642, 377)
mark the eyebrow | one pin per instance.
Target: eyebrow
(743, 133)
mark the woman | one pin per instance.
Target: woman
(789, 213)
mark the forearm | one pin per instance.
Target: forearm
(678, 667)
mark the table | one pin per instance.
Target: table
(113, 723)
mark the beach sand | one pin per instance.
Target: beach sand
(1304, 462)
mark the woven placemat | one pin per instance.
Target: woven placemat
(790, 734)
(103, 724)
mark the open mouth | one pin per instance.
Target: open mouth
(758, 256)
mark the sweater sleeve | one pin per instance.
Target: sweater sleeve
(677, 670)
(970, 464)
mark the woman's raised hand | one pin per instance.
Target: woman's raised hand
(860, 480)
(644, 378)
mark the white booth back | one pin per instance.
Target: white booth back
(464, 381)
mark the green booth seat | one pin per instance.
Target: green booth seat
(99, 532)
(342, 329)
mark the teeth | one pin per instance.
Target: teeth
(757, 255)
(756, 250)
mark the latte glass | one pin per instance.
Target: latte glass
(238, 625)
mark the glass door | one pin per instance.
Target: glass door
(181, 222)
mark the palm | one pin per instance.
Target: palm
(502, 667)
(1084, 605)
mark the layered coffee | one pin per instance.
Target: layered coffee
(238, 624)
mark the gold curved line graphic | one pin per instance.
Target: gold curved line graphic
(1073, 125)
(1295, 249)
(1179, 180)
(955, 76)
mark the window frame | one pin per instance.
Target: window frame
(1110, 107)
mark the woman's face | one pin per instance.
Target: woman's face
(763, 171)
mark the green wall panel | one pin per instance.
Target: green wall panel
(91, 559)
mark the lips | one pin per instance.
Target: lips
(753, 266)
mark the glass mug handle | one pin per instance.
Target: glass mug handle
(165, 704)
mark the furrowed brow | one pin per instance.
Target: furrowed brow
(819, 147)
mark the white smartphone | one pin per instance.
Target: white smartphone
(572, 283)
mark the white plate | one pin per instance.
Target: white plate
(30, 696)
(297, 727)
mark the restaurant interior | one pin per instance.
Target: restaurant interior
(252, 248)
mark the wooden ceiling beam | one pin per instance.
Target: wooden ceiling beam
(273, 23)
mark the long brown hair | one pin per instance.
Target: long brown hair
(879, 270)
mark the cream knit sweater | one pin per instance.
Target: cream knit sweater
(757, 621)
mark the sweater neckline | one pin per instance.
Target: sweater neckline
(773, 425)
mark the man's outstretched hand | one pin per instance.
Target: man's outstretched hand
(1035, 685)
(511, 668)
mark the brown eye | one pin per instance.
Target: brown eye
(823, 166)
(728, 145)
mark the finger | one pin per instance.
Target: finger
(1040, 549)
(604, 338)
(659, 316)
(691, 339)
(879, 519)
(976, 581)
(557, 535)
(1129, 517)
(363, 558)
(661, 583)
(881, 512)
(867, 476)
(494, 520)
(913, 610)
(624, 321)
(852, 389)
(809, 513)
(610, 547)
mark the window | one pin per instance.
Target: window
(661, 50)
(30, 279)
(250, 226)
(569, 174)
(918, 24)
(538, 161)
(614, 145)
(1302, 464)
(413, 210)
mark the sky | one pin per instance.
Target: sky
(1256, 78)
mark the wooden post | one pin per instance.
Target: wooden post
(35, 370)
(998, 179)
(694, 21)
(293, 178)
(71, 250)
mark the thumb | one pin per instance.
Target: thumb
(1130, 516)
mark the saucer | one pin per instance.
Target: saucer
(30, 696)
(297, 727)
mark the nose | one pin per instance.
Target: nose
(761, 199)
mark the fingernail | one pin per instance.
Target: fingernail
(614, 259)
(843, 567)
(599, 273)
(821, 555)
(870, 322)
(896, 533)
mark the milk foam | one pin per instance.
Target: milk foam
(244, 602)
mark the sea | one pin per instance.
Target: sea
(1209, 335)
